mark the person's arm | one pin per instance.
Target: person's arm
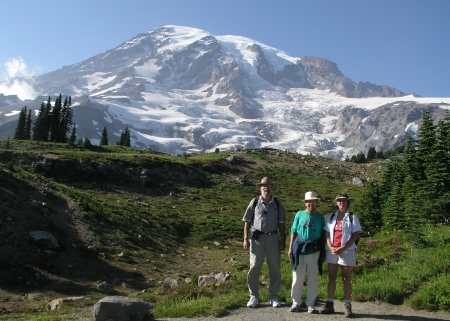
(282, 228)
(246, 243)
(328, 239)
(351, 241)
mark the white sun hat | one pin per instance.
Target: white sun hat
(311, 195)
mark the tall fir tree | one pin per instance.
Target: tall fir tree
(38, 128)
(410, 159)
(369, 209)
(28, 126)
(125, 138)
(412, 202)
(393, 212)
(393, 175)
(73, 135)
(42, 123)
(104, 140)
(55, 120)
(438, 172)
(19, 133)
(66, 120)
(427, 139)
(371, 153)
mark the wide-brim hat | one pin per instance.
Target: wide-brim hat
(266, 181)
(311, 195)
(342, 196)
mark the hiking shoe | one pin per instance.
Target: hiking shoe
(295, 308)
(348, 310)
(275, 303)
(328, 308)
(253, 302)
(312, 310)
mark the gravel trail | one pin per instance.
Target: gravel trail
(363, 311)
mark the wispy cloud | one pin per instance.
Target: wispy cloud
(18, 79)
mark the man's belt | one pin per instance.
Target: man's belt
(269, 233)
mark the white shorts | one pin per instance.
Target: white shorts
(346, 258)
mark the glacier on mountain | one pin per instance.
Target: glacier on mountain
(181, 89)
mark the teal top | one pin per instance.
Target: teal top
(308, 226)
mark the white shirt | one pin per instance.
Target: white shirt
(347, 227)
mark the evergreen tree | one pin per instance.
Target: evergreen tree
(42, 123)
(371, 153)
(66, 120)
(104, 140)
(38, 128)
(125, 138)
(412, 167)
(55, 120)
(122, 139)
(394, 175)
(380, 154)
(413, 203)
(87, 143)
(28, 126)
(73, 135)
(19, 133)
(369, 209)
(438, 172)
(393, 212)
(427, 138)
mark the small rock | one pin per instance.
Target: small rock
(54, 305)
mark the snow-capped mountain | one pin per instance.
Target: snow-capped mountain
(183, 89)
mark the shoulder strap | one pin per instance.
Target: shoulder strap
(278, 207)
(255, 202)
(334, 213)
(277, 202)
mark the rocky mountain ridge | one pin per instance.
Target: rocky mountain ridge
(181, 89)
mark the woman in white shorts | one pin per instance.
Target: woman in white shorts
(342, 230)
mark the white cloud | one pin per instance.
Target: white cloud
(21, 86)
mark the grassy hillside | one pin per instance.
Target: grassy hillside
(152, 216)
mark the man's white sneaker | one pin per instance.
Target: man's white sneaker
(275, 303)
(253, 302)
(295, 308)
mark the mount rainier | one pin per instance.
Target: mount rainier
(181, 89)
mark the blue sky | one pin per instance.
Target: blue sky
(400, 43)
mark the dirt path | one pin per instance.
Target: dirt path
(362, 311)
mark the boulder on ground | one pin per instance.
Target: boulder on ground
(119, 308)
(213, 279)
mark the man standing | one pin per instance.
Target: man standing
(304, 250)
(265, 217)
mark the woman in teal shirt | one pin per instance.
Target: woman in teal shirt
(304, 251)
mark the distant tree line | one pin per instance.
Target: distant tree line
(372, 154)
(415, 188)
(54, 124)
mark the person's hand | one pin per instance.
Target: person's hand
(246, 244)
(337, 250)
(282, 246)
(290, 252)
